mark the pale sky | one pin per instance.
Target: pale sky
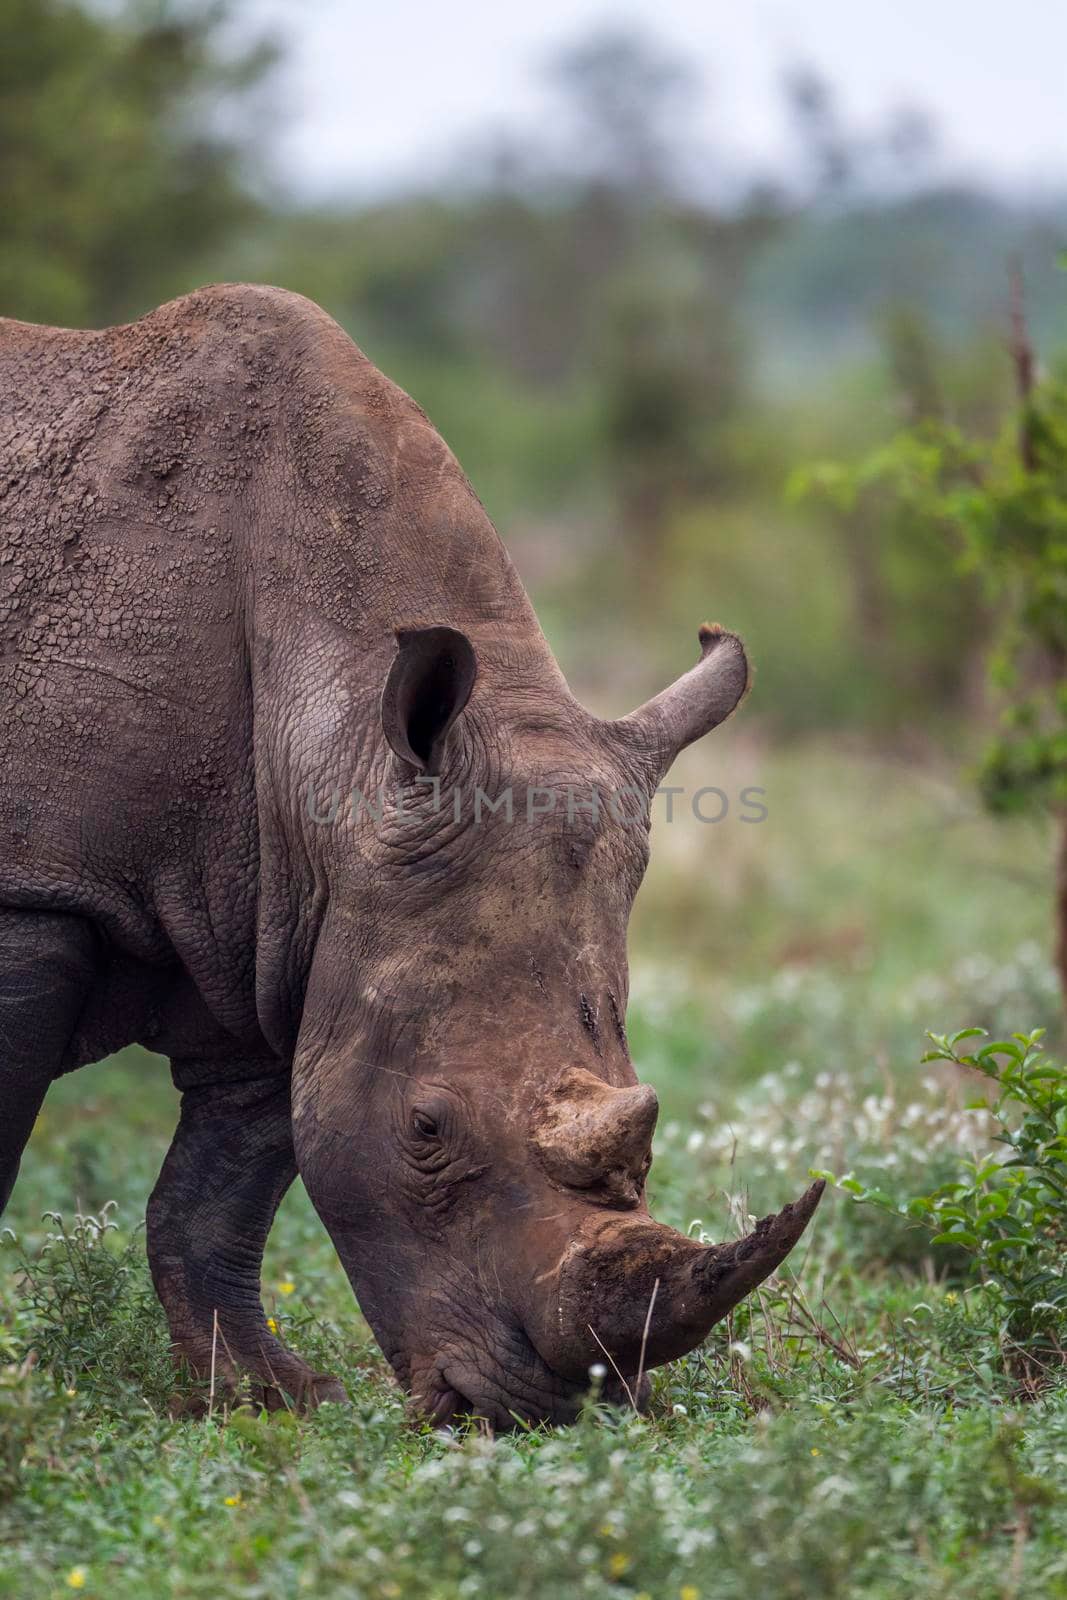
(375, 93)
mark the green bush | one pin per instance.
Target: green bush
(88, 1312)
(1004, 1213)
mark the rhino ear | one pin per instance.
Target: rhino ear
(429, 683)
(690, 708)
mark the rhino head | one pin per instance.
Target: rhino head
(467, 1119)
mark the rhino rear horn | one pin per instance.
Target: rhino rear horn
(705, 696)
(428, 685)
(593, 1136)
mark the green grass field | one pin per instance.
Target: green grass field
(850, 1432)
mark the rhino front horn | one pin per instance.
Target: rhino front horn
(727, 1272)
(621, 1268)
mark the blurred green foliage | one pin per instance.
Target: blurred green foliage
(998, 507)
(998, 504)
(1003, 1212)
(116, 172)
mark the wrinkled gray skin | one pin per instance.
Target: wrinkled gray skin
(236, 561)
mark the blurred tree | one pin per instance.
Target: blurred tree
(838, 159)
(1002, 502)
(118, 169)
(827, 150)
(649, 283)
(912, 349)
(910, 142)
(672, 375)
(627, 101)
(890, 559)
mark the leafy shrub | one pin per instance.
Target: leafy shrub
(88, 1311)
(1005, 1212)
(33, 1406)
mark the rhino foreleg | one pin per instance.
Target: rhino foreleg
(228, 1167)
(47, 965)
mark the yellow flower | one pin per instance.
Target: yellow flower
(71, 1393)
(158, 1521)
(815, 1450)
(232, 1500)
(951, 1297)
(688, 1591)
(618, 1563)
(272, 1325)
(287, 1286)
(76, 1578)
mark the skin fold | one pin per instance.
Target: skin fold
(256, 635)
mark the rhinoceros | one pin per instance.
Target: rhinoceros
(241, 576)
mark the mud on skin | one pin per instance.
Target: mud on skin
(235, 560)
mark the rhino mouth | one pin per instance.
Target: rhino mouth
(444, 1405)
(504, 1397)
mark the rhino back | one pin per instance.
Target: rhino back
(211, 522)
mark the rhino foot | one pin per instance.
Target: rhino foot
(283, 1384)
(228, 1167)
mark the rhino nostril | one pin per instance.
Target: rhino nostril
(622, 1190)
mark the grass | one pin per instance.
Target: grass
(849, 1432)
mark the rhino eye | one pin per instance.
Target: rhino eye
(423, 1124)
